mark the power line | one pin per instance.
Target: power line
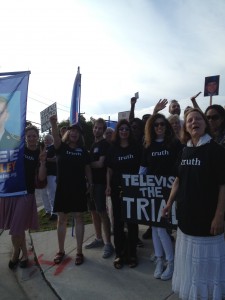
(47, 104)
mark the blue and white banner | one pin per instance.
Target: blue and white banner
(75, 101)
(13, 103)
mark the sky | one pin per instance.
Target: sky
(159, 48)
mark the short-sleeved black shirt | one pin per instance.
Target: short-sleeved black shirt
(97, 150)
(200, 172)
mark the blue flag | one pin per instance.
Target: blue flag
(13, 103)
(75, 101)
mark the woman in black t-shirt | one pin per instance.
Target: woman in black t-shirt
(19, 214)
(200, 192)
(161, 151)
(73, 169)
(123, 157)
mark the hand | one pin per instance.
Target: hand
(53, 119)
(217, 225)
(166, 211)
(193, 97)
(90, 190)
(133, 100)
(160, 105)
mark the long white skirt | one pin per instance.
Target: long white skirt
(199, 270)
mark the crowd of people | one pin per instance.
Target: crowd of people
(191, 149)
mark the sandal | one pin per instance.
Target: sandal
(118, 263)
(79, 259)
(59, 257)
(133, 262)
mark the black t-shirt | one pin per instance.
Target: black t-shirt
(31, 162)
(97, 150)
(201, 172)
(51, 165)
(160, 159)
(71, 165)
(123, 161)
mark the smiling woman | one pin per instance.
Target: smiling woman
(200, 192)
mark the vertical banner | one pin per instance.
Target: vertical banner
(13, 103)
(75, 101)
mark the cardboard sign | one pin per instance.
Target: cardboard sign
(144, 197)
(45, 115)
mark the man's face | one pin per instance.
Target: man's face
(98, 130)
(211, 87)
(174, 108)
(3, 114)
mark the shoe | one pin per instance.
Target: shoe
(159, 268)
(133, 262)
(59, 257)
(53, 217)
(140, 244)
(168, 273)
(108, 250)
(95, 244)
(153, 258)
(47, 214)
(13, 264)
(23, 264)
(79, 259)
(118, 263)
(148, 234)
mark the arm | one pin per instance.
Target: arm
(88, 175)
(217, 225)
(108, 181)
(171, 199)
(55, 133)
(194, 102)
(160, 106)
(99, 163)
(133, 101)
(42, 171)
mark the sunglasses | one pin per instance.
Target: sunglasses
(124, 129)
(162, 124)
(213, 117)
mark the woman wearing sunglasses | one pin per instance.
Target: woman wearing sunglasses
(216, 116)
(160, 155)
(123, 157)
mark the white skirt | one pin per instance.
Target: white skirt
(199, 267)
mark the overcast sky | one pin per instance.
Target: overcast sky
(161, 48)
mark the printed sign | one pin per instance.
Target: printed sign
(45, 115)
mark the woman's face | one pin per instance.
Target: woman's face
(74, 135)
(195, 125)
(176, 126)
(214, 119)
(124, 132)
(160, 127)
(31, 138)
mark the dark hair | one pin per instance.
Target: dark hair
(32, 127)
(185, 136)
(101, 121)
(150, 134)
(116, 137)
(80, 142)
(221, 111)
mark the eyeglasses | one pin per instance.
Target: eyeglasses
(124, 129)
(213, 117)
(162, 124)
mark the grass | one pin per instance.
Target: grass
(45, 224)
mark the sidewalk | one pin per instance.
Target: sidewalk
(96, 279)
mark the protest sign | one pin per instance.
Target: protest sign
(144, 197)
(45, 115)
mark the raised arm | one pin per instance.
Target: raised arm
(194, 102)
(160, 105)
(133, 101)
(55, 132)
